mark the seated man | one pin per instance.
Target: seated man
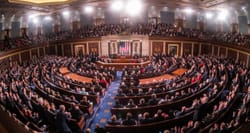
(146, 118)
(153, 100)
(113, 120)
(129, 120)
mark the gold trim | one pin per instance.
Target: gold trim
(42, 2)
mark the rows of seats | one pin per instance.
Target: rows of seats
(36, 92)
(218, 100)
(213, 94)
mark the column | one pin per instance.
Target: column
(108, 48)
(235, 28)
(140, 48)
(181, 49)
(179, 23)
(56, 23)
(7, 28)
(192, 49)
(56, 28)
(24, 26)
(24, 32)
(75, 25)
(39, 30)
(200, 25)
(219, 27)
(248, 28)
(131, 48)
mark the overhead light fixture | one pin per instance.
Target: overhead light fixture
(88, 9)
(134, 7)
(48, 18)
(188, 10)
(117, 5)
(222, 15)
(35, 20)
(209, 15)
(66, 13)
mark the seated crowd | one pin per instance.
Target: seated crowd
(222, 107)
(38, 94)
(161, 29)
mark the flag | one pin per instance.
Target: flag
(124, 47)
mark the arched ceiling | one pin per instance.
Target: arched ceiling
(51, 6)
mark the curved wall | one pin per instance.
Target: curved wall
(153, 45)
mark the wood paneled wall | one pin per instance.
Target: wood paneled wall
(222, 52)
(157, 47)
(196, 49)
(93, 47)
(25, 56)
(67, 50)
(187, 49)
(232, 54)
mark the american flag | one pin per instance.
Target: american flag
(124, 47)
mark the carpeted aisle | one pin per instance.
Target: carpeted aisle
(103, 114)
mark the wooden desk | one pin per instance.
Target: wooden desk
(120, 66)
(65, 71)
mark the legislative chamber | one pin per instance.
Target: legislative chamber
(125, 66)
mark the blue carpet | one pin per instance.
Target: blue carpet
(102, 112)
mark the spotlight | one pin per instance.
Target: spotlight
(35, 20)
(32, 16)
(188, 10)
(88, 9)
(209, 15)
(134, 7)
(66, 13)
(117, 5)
(47, 18)
(223, 14)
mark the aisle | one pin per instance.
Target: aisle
(103, 114)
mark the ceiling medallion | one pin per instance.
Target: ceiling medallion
(41, 2)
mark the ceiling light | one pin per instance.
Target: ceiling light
(188, 10)
(209, 15)
(35, 20)
(88, 9)
(117, 5)
(47, 18)
(223, 14)
(66, 13)
(133, 7)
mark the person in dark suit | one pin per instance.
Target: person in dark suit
(153, 100)
(99, 129)
(129, 120)
(113, 121)
(131, 104)
(76, 113)
(146, 118)
(61, 120)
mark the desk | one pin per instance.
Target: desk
(120, 66)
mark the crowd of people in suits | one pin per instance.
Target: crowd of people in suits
(234, 87)
(27, 92)
(161, 29)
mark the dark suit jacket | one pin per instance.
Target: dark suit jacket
(129, 122)
(61, 122)
(76, 114)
